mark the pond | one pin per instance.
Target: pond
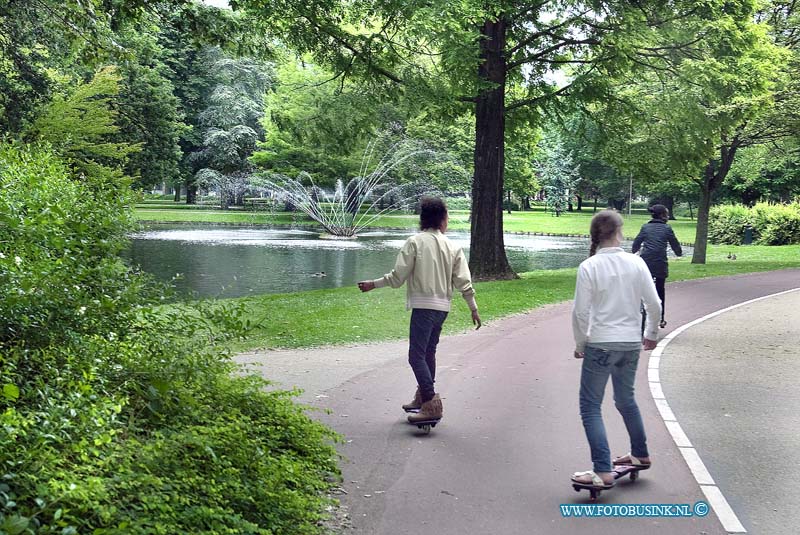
(217, 261)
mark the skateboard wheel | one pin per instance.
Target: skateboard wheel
(634, 476)
(426, 429)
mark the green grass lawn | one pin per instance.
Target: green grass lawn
(346, 316)
(569, 223)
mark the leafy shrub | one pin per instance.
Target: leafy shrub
(728, 222)
(778, 224)
(118, 416)
(458, 203)
(772, 224)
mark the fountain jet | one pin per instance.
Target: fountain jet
(352, 206)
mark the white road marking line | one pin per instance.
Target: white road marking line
(724, 511)
(699, 470)
(652, 375)
(655, 390)
(678, 435)
(665, 410)
(730, 522)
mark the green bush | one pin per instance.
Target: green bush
(728, 222)
(458, 203)
(772, 224)
(116, 415)
(777, 224)
(514, 206)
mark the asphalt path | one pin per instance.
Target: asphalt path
(500, 460)
(732, 383)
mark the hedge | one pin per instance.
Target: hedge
(771, 224)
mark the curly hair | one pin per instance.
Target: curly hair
(432, 212)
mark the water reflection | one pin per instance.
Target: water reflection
(232, 262)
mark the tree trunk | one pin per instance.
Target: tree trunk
(487, 256)
(713, 176)
(617, 204)
(191, 194)
(526, 202)
(701, 234)
(177, 192)
(580, 202)
(509, 202)
(691, 215)
(595, 205)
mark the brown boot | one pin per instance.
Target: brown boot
(415, 404)
(430, 410)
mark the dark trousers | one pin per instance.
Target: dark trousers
(661, 295)
(660, 291)
(426, 326)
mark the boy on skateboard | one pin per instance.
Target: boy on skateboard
(432, 267)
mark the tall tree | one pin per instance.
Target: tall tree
(149, 115)
(495, 60)
(559, 173)
(315, 124)
(231, 123)
(82, 126)
(689, 122)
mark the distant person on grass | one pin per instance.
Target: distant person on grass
(653, 240)
(611, 287)
(433, 267)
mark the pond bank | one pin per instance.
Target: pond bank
(313, 225)
(345, 316)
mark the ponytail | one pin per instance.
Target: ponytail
(604, 225)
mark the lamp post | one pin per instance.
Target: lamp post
(630, 196)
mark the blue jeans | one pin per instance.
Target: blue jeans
(426, 326)
(598, 364)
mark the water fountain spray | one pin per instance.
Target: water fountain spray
(344, 212)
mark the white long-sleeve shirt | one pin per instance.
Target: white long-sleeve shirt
(610, 288)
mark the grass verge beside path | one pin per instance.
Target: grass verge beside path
(346, 316)
(569, 223)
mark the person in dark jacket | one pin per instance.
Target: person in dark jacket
(653, 239)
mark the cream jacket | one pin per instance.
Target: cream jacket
(432, 266)
(612, 285)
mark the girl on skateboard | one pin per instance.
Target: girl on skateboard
(611, 286)
(432, 267)
(653, 239)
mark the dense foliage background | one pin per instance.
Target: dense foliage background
(121, 417)
(117, 417)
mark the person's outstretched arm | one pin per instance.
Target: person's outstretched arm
(674, 243)
(462, 281)
(403, 267)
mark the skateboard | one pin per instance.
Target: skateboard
(620, 471)
(425, 425)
